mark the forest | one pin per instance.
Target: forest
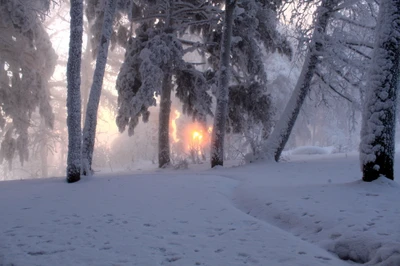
(103, 84)
(199, 132)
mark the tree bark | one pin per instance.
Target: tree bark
(87, 73)
(73, 92)
(280, 135)
(164, 117)
(44, 150)
(377, 145)
(221, 112)
(89, 131)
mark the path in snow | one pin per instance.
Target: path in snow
(154, 219)
(319, 201)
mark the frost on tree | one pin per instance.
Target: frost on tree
(280, 135)
(379, 114)
(150, 62)
(89, 131)
(73, 93)
(154, 67)
(222, 94)
(146, 74)
(27, 61)
(96, 10)
(250, 108)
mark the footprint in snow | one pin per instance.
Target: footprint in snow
(335, 236)
(322, 258)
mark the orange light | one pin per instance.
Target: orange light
(174, 127)
(210, 129)
(197, 136)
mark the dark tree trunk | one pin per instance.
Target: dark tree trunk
(73, 93)
(163, 131)
(379, 116)
(221, 112)
(280, 135)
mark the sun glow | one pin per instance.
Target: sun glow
(189, 138)
(197, 136)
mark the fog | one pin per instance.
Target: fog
(326, 119)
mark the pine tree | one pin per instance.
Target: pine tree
(27, 61)
(153, 57)
(73, 93)
(221, 112)
(254, 34)
(379, 114)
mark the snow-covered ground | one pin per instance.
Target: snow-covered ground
(308, 211)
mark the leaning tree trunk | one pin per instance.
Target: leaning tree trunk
(280, 135)
(379, 114)
(221, 112)
(89, 131)
(73, 92)
(87, 73)
(164, 158)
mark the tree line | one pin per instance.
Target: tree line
(347, 48)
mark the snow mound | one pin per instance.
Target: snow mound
(367, 250)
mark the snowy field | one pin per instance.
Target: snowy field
(310, 210)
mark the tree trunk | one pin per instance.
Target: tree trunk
(280, 135)
(89, 131)
(221, 112)
(87, 73)
(73, 92)
(379, 114)
(163, 131)
(44, 150)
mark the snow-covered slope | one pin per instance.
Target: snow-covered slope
(291, 213)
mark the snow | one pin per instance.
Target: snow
(311, 150)
(303, 211)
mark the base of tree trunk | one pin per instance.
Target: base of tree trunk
(72, 178)
(370, 174)
(88, 173)
(164, 164)
(216, 161)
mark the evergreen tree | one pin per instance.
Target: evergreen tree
(153, 60)
(254, 34)
(222, 94)
(27, 61)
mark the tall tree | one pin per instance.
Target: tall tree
(280, 135)
(27, 61)
(254, 34)
(379, 114)
(89, 131)
(153, 58)
(73, 93)
(221, 111)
